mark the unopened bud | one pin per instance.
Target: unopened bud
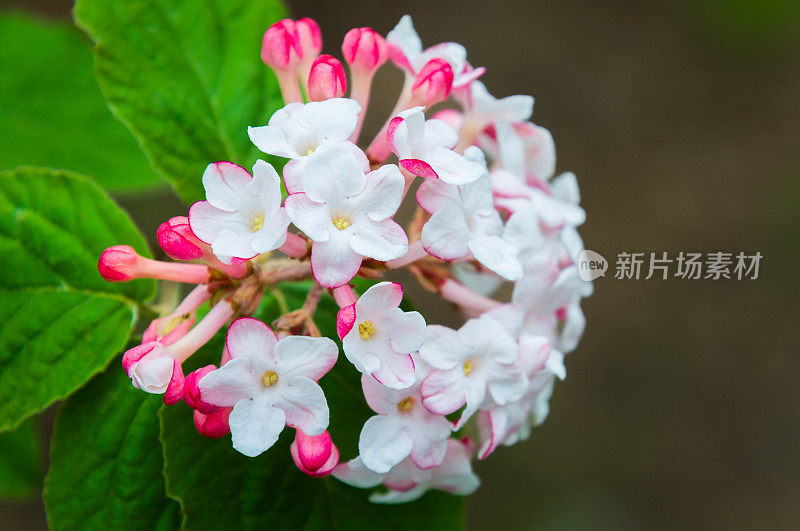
(119, 263)
(364, 49)
(192, 394)
(326, 79)
(316, 456)
(433, 83)
(280, 48)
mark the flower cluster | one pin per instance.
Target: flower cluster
(489, 210)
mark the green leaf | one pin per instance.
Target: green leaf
(106, 462)
(60, 322)
(220, 488)
(20, 462)
(186, 77)
(52, 111)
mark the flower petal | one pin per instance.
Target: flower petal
(446, 234)
(333, 262)
(443, 392)
(383, 443)
(229, 384)
(311, 357)
(255, 426)
(382, 240)
(314, 219)
(250, 338)
(305, 406)
(225, 182)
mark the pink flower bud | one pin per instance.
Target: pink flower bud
(433, 82)
(191, 393)
(316, 456)
(178, 241)
(119, 263)
(326, 79)
(214, 425)
(280, 48)
(309, 38)
(364, 49)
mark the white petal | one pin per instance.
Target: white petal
(405, 38)
(453, 168)
(208, 221)
(381, 240)
(229, 384)
(382, 194)
(396, 371)
(225, 183)
(332, 175)
(443, 348)
(380, 398)
(356, 474)
(266, 187)
(446, 234)
(331, 120)
(438, 134)
(272, 140)
(507, 383)
(255, 426)
(443, 392)
(497, 255)
(383, 443)
(377, 299)
(407, 330)
(314, 219)
(305, 406)
(429, 440)
(333, 262)
(251, 339)
(311, 357)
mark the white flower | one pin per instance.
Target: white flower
(270, 384)
(556, 204)
(425, 148)
(242, 216)
(297, 130)
(465, 221)
(406, 482)
(402, 427)
(380, 336)
(483, 109)
(407, 53)
(471, 365)
(347, 214)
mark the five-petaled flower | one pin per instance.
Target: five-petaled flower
(270, 383)
(378, 337)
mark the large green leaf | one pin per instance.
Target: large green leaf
(185, 77)
(220, 488)
(20, 462)
(60, 322)
(106, 462)
(52, 111)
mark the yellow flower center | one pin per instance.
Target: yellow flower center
(258, 223)
(366, 329)
(405, 404)
(467, 368)
(309, 152)
(270, 378)
(341, 223)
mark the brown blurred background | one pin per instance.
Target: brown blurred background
(681, 409)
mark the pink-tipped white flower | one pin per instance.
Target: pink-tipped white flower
(347, 214)
(401, 428)
(425, 148)
(378, 337)
(482, 109)
(298, 129)
(270, 384)
(476, 363)
(316, 455)
(465, 222)
(242, 216)
(406, 52)
(406, 482)
(364, 50)
(326, 79)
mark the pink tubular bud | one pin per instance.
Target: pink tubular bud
(214, 425)
(119, 263)
(364, 49)
(433, 83)
(178, 241)
(316, 456)
(309, 38)
(191, 392)
(326, 79)
(280, 48)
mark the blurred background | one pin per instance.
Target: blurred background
(681, 121)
